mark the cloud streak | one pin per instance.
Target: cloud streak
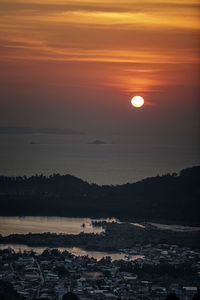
(112, 33)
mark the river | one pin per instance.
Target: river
(23, 225)
(75, 251)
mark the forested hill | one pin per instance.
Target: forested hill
(167, 198)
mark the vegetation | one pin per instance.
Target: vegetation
(197, 295)
(168, 198)
(115, 237)
(8, 293)
(172, 296)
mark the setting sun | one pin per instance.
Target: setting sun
(137, 101)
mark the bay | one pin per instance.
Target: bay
(120, 159)
(24, 225)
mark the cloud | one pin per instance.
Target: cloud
(113, 39)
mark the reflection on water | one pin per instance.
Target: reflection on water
(177, 228)
(74, 251)
(23, 225)
(122, 159)
(138, 225)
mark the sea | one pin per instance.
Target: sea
(102, 159)
(116, 159)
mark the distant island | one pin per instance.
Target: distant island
(97, 142)
(171, 198)
(34, 143)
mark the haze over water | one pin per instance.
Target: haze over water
(120, 160)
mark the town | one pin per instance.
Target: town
(160, 270)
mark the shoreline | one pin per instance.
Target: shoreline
(143, 221)
(115, 237)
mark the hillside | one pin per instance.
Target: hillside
(170, 198)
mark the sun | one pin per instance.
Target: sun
(137, 101)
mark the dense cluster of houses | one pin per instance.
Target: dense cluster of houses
(52, 273)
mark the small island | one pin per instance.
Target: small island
(97, 142)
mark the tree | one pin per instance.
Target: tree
(171, 296)
(197, 295)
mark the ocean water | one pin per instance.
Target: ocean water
(120, 160)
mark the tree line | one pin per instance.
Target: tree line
(166, 198)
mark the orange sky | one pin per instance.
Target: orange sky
(77, 60)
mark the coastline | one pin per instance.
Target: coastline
(115, 237)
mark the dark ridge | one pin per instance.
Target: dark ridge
(171, 198)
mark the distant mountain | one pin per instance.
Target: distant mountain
(170, 198)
